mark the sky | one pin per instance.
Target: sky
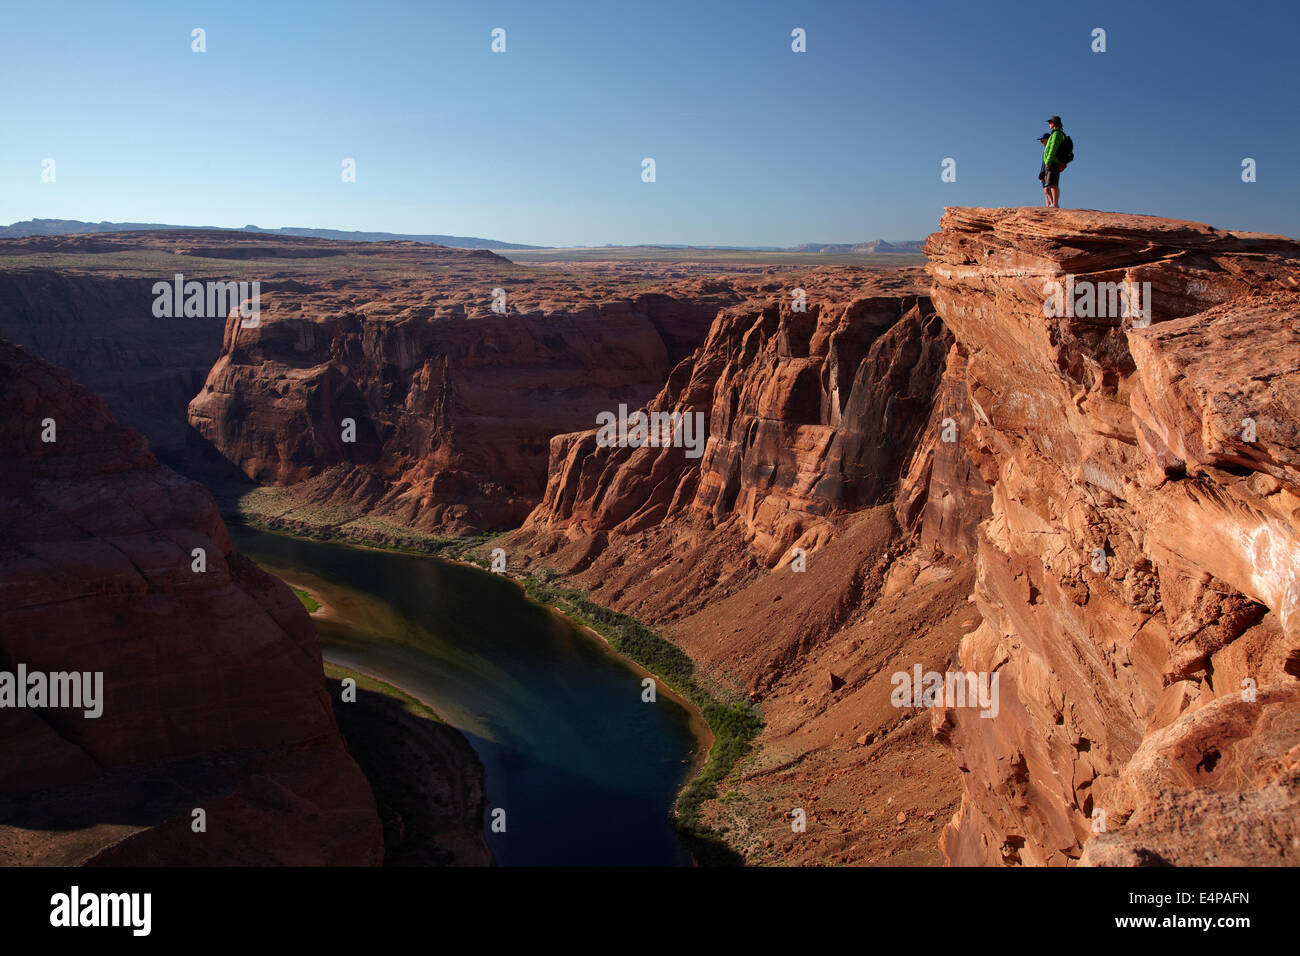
(753, 144)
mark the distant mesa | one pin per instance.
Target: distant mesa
(69, 227)
(875, 245)
(64, 227)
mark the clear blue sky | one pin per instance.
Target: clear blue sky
(754, 144)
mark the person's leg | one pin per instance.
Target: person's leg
(1056, 197)
(1047, 196)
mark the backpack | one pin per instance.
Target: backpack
(1066, 155)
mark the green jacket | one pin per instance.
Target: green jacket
(1052, 148)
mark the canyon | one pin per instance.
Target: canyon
(1117, 499)
(905, 468)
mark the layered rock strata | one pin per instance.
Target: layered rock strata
(1138, 575)
(807, 414)
(450, 412)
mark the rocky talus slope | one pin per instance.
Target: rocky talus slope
(1138, 575)
(212, 696)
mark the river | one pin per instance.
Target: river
(584, 770)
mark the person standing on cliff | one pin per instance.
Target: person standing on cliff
(1052, 152)
(1042, 173)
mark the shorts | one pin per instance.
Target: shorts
(1053, 177)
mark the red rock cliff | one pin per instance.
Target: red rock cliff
(1124, 488)
(453, 407)
(1139, 574)
(807, 414)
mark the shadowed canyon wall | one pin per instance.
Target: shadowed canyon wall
(101, 330)
(212, 693)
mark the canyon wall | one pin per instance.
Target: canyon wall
(86, 304)
(1138, 575)
(212, 696)
(1102, 509)
(807, 414)
(453, 401)
(101, 330)
(1117, 492)
(453, 408)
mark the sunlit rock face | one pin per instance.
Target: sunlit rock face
(1139, 573)
(808, 415)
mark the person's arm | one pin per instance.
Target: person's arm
(1053, 148)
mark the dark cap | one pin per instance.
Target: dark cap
(1054, 119)
(1043, 137)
